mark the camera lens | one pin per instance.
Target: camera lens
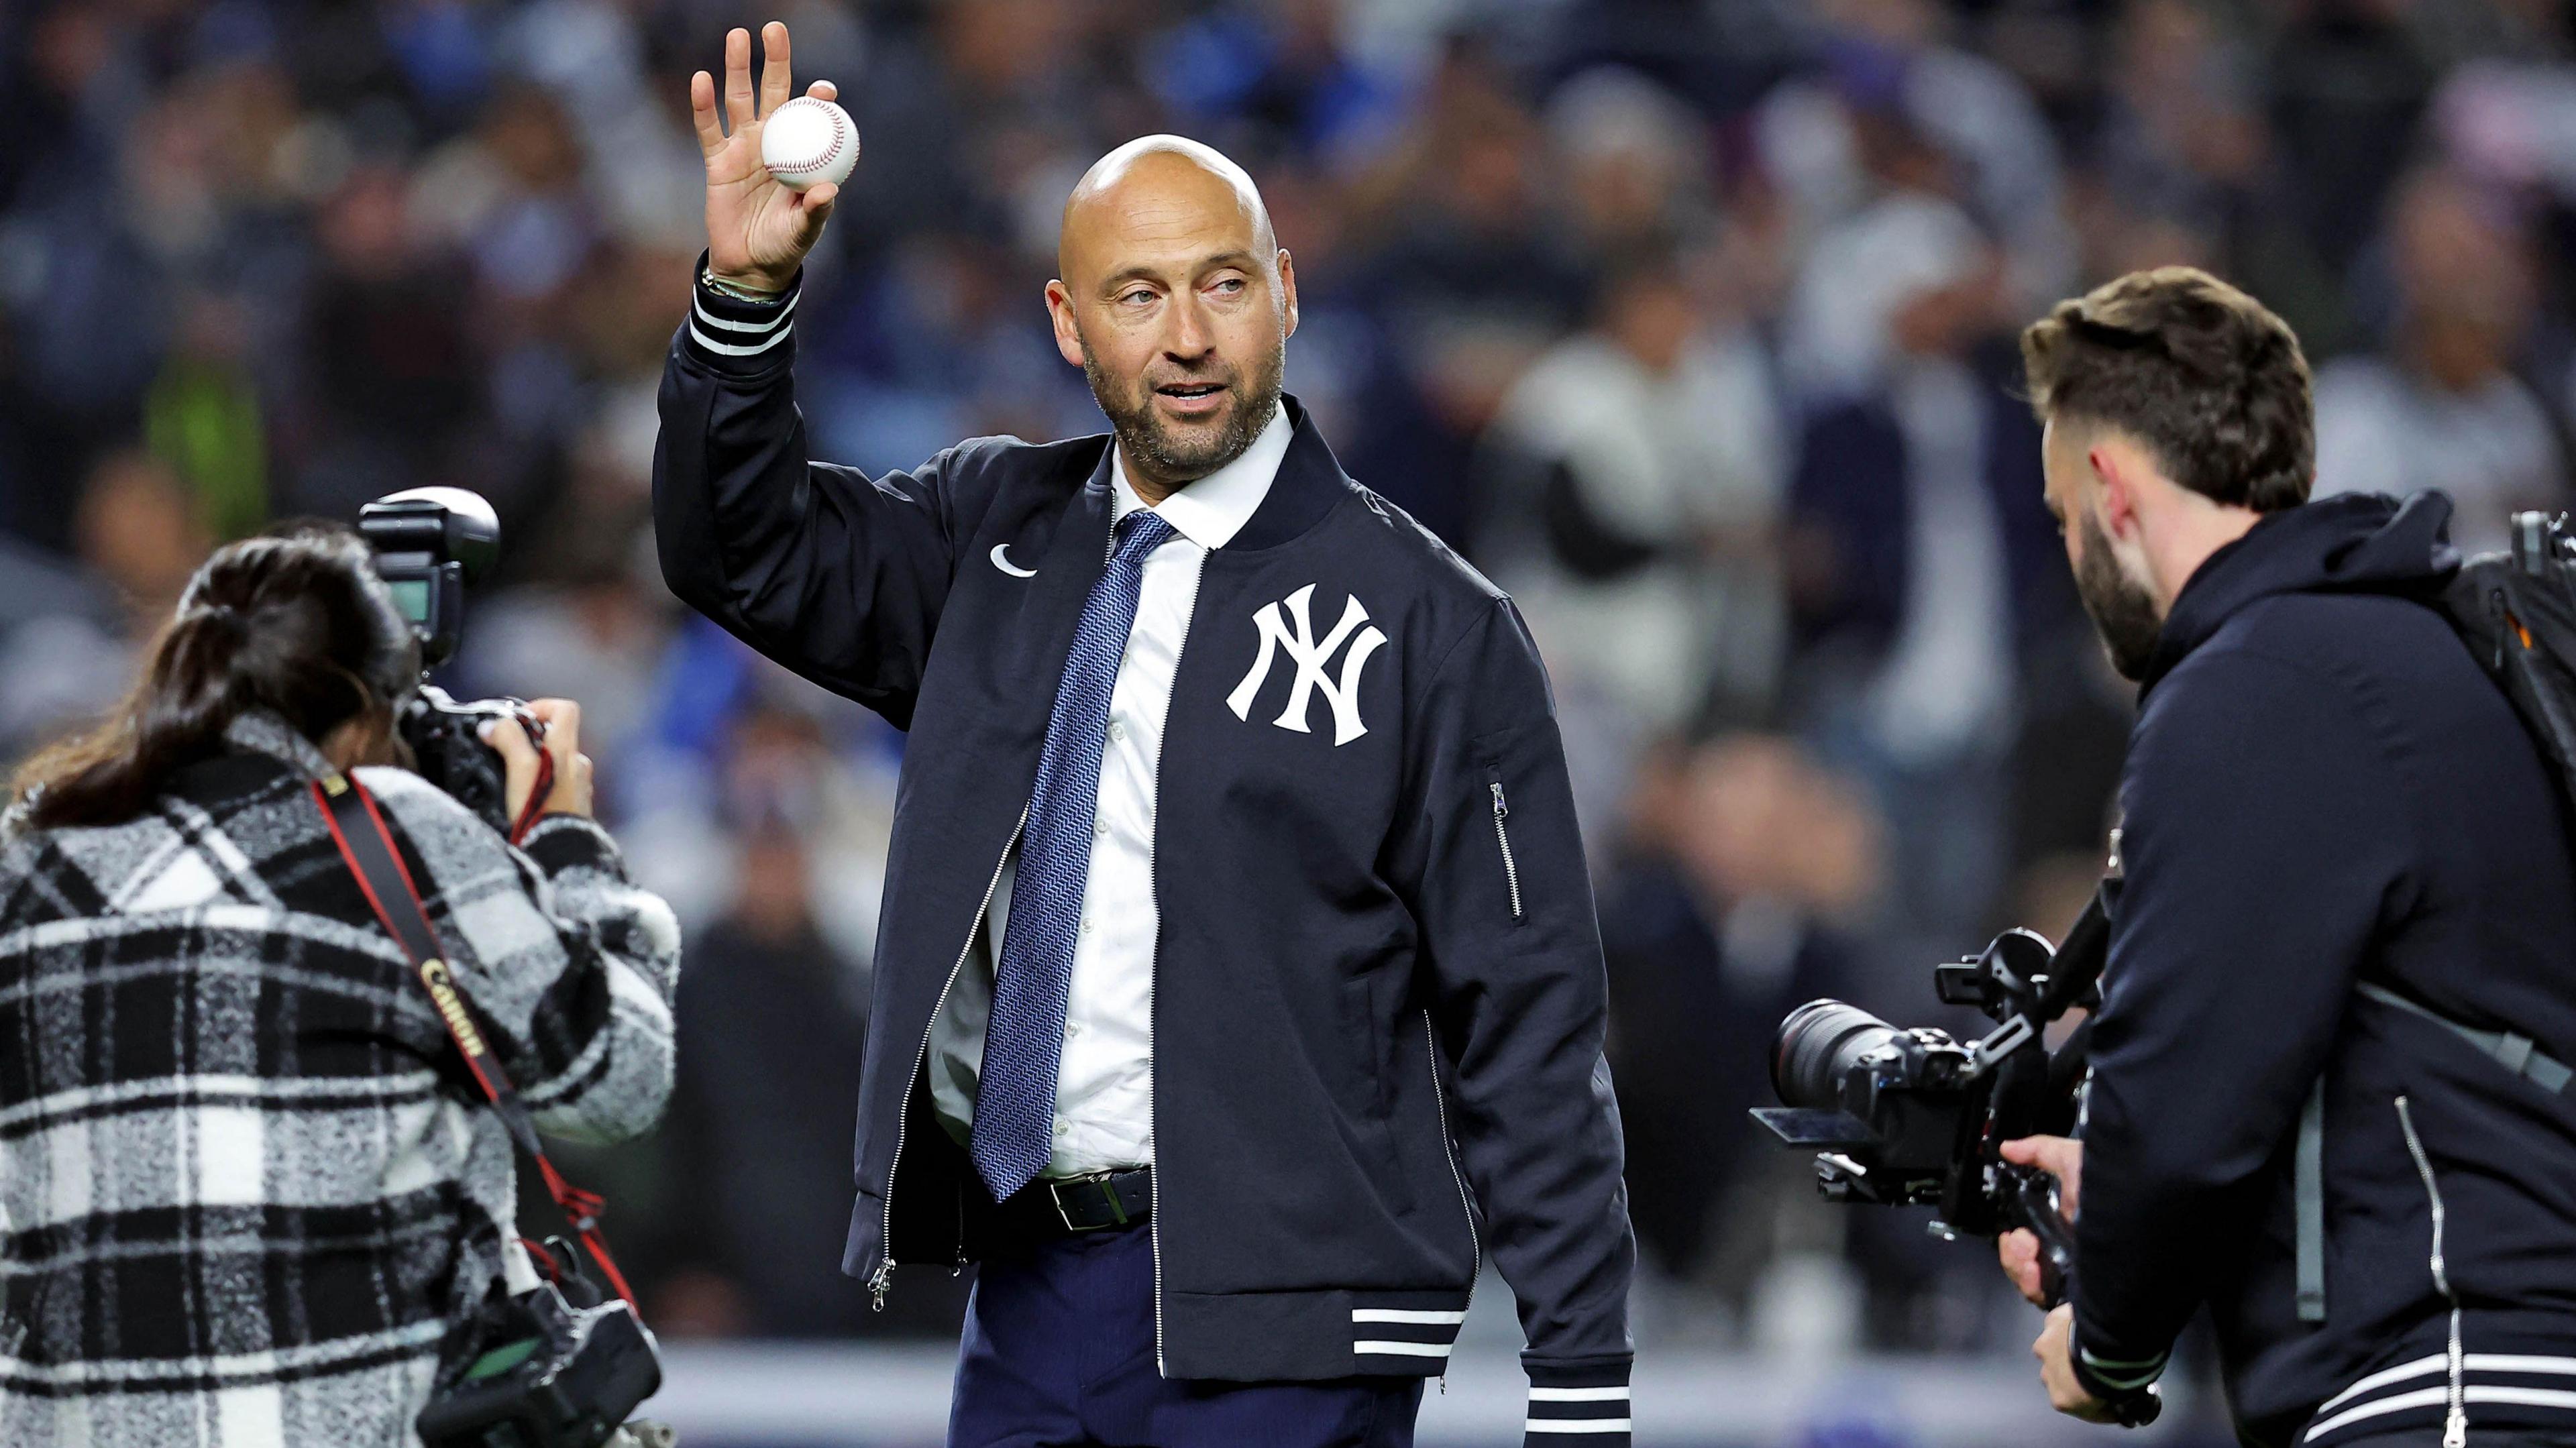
(1817, 1046)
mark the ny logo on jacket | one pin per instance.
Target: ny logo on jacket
(1311, 659)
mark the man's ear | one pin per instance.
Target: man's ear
(1068, 332)
(2119, 490)
(1288, 290)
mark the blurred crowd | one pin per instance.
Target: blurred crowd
(1690, 321)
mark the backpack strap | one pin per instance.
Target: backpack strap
(2308, 1193)
(367, 846)
(2510, 1049)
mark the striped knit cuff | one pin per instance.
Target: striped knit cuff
(560, 842)
(1578, 1407)
(730, 334)
(2108, 1378)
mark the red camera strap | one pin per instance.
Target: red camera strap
(368, 848)
(545, 785)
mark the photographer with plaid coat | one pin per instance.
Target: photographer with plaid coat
(248, 1195)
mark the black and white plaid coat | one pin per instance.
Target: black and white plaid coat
(246, 1190)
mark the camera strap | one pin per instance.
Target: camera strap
(542, 791)
(368, 848)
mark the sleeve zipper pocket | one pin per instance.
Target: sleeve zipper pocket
(1502, 837)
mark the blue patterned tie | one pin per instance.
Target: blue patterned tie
(1023, 1042)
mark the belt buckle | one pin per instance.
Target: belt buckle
(1109, 1194)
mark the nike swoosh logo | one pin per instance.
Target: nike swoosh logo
(1002, 561)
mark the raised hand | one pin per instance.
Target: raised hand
(757, 230)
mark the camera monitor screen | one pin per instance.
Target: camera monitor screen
(411, 595)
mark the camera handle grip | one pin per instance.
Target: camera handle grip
(2030, 1200)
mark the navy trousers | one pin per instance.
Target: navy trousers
(1059, 1353)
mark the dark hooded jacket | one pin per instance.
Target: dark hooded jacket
(2325, 794)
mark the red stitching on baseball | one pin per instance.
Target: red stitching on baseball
(829, 151)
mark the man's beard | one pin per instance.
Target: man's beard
(1156, 446)
(2123, 613)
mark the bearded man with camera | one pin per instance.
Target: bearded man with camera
(2328, 1094)
(265, 993)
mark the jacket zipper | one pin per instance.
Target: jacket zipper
(1511, 871)
(881, 1281)
(1153, 974)
(2455, 1425)
(1449, 1153)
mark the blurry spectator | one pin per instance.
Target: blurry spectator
(2348, 80)
(2444, 408)
(1467, 278)
(771, 1033)
(205, 415)
(637, 165)
(1915, 512)
(2513, 123)
(1636, 498)
(390, 364)
(138, 527)
(943, 349)
(734, 737)
(70, 654)
(531, 235)
(2185, 158)
(782, 767)
(1739, 859)
(1635, 159)
(1283, 69)
(597, 628)
(770, 1028)
(1889, 66)
(1838, 335)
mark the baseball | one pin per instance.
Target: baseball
(807, 142)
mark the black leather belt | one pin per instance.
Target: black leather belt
(1098, 1201)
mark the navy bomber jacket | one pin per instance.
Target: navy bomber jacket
(1379, 991)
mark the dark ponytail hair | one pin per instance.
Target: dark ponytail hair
(295, 622)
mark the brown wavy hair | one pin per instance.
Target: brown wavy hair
(295, 622)
(2204, 375)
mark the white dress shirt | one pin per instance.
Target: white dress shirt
(1105, 1080)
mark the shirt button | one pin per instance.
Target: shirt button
(1117, 730)
(1086, 925)
(1073, 1028)
(1063, 1127)
(1100, 827)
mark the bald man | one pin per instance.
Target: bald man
(1237, 982)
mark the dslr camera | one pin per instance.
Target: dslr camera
(429, 543)
(1915, 1117)
(559, 1365)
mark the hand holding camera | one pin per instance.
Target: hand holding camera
(549, 753)
(2018, 1249)
(2025, 1261)
(1915, 1118)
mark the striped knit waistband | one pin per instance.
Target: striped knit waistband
(2521, 1388)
